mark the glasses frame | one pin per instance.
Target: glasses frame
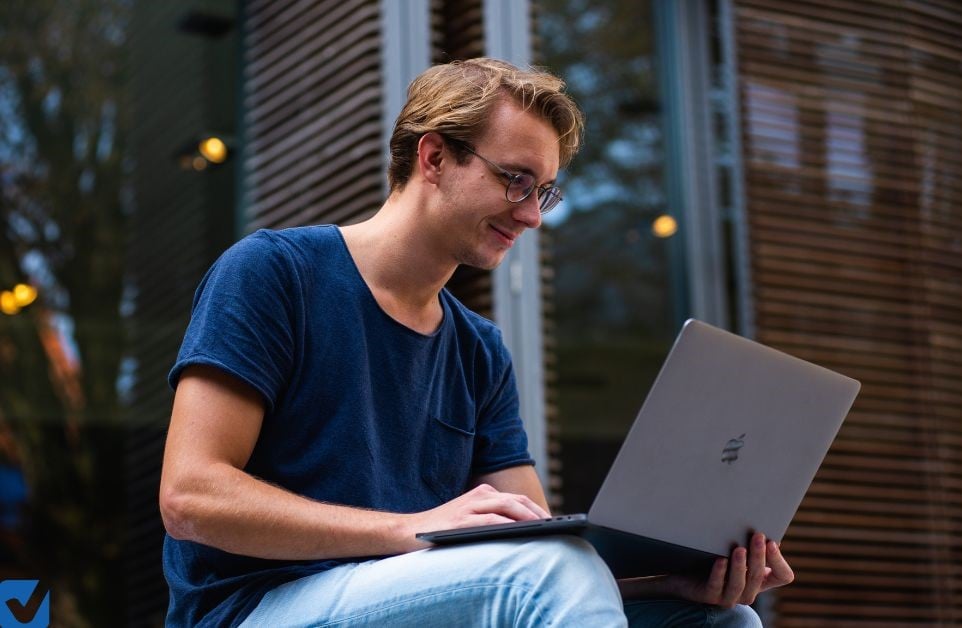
(548, 195)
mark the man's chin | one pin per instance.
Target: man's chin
(483, 262)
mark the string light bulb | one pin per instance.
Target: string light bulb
(213, 149)
(24, 294)
(8, 303)
(664, 226)
(17, 298)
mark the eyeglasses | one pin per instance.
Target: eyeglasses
(520, 186)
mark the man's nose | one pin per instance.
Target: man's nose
(528, 212)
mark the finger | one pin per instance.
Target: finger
(756, 568)
(529, 504)
(715, 585)
(471, 521)
(487, 489)
(482, 491)
(486, 519)
(537, 512)
(737, 569)
(507, 505)
(781, 573)
(534, 507)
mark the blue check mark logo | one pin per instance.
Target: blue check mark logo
(24, 603)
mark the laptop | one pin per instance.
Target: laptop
(726, 444)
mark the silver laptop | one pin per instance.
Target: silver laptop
(726, 444)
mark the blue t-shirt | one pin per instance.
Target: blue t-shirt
(360, 410)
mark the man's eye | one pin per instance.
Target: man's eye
(524, 180)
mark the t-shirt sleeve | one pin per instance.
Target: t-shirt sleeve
(242, 320)
(500, 441)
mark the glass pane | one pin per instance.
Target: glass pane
(610, 242)
(110, 211)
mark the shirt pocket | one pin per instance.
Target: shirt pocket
(448, 453)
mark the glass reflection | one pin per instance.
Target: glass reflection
(62, 241)
(611, 290)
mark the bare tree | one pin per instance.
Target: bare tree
(62, 228)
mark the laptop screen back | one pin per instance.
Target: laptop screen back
(727, 443)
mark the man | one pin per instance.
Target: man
(332, 399)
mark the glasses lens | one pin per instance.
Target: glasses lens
(548, 198)
(520, 187)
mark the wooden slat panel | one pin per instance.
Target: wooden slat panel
(852, 137)
(312, 98)
(459, 29)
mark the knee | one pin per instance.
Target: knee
(568, 554)
(737, 617)
(570, 549)
(570, 583)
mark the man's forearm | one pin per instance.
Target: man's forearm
(235, 512)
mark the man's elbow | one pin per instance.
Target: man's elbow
(177, 512)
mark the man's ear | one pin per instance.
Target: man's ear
(430, 156)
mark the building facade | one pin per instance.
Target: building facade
(787, 170)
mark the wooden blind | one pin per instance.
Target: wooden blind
(852, 136)
(312, 102)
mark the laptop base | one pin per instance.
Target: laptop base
(627, 555)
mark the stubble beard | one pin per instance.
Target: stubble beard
(470, 256)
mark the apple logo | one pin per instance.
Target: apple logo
(730, 453)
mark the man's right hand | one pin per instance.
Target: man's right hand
(481, 506)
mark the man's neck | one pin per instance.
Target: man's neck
(401, 263)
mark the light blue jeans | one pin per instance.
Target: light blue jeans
(550, 581)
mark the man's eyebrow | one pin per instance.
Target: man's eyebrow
(519, 169)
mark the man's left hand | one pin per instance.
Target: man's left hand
(734, 580)
(738, 579)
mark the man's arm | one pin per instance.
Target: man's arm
(207, 497)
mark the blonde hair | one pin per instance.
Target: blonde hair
(455, 99)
